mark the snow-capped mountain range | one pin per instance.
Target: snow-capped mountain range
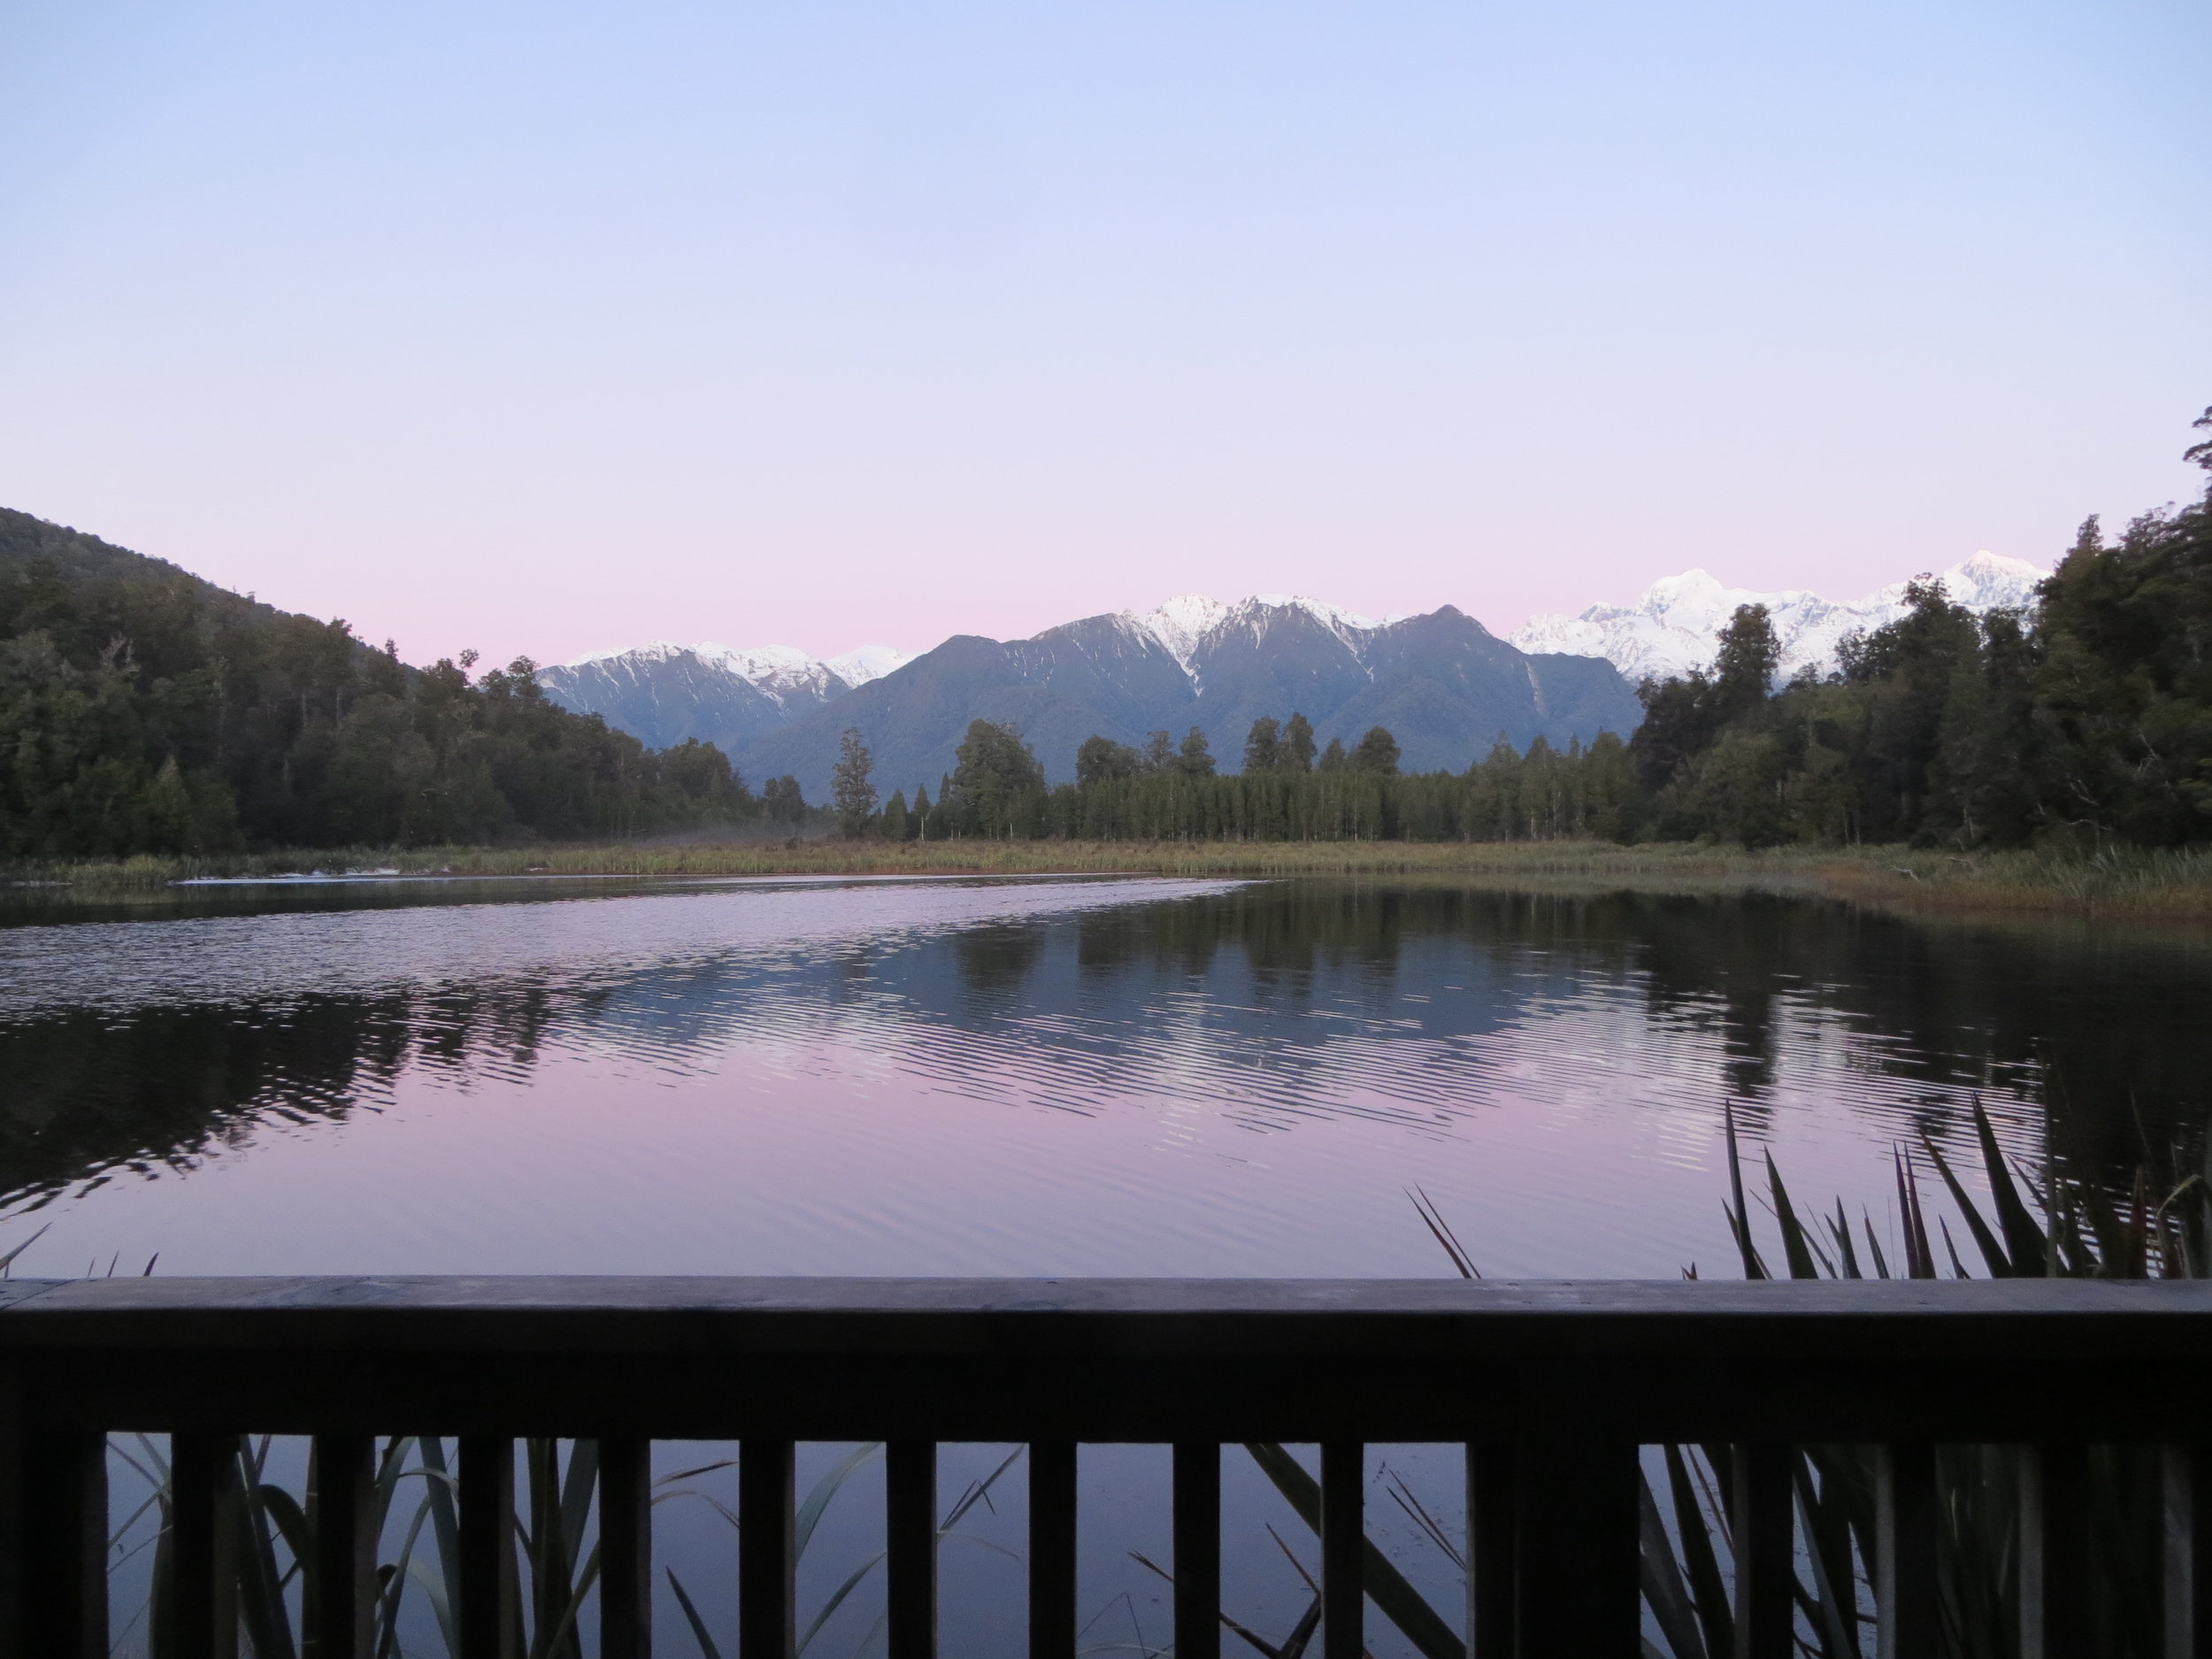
(1442, 683)
(1671, 629)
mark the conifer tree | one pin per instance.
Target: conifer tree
(850, 788)
(1378, 752)
(1195, 758)
(1264, 746)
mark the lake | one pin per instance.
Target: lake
(1042, 1076)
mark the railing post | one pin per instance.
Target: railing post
(1197, 1524)
(203, 1545)
(1578, 1553)
(1493, 1552)
(1905, 1550)
(1052, 1494)
(340, 1617)
(16, 1580)
(2054, 1552)
(1765, 1530)
(910, 1543)
(1343, 1549)
(766, 1561)
(2188, 1507)
(625, 1547)
(55, 1485)
(488, 1558)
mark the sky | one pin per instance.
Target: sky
(548, 328)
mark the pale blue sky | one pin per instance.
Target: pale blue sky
(538, 327)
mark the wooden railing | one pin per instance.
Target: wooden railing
(1551, 1385)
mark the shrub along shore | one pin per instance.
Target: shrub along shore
(2135, 884)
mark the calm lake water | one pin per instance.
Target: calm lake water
(1044, 1076)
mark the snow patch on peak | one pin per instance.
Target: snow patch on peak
(1675, 625)
(1182, 626)
(1320, 610)
(864, 663)
(1179, 624)
(657, 651)
(781, 673)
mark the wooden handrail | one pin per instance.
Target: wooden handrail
(1551, 1384)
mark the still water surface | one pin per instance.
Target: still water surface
(1108, 1075)
(1042, 1076)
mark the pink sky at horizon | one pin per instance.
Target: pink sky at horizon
(542, 331)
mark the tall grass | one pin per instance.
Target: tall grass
(2048, 1226)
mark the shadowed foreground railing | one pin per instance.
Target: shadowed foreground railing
(1551, 1385)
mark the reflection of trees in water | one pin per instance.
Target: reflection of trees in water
(2107, 1026)
(89, 1092)
(2103, 1026)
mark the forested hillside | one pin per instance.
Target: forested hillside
(144, 710)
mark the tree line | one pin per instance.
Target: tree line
(2084, 719)
(142, 710)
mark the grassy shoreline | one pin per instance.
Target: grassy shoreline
(2132, 884)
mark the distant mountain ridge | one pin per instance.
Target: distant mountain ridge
(1443, 684)
(1671, 629)
(664, 693)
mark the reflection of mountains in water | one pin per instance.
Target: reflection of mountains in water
(1415, 1004)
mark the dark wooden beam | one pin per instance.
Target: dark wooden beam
(1762, 1523)
(1052, 1549)
(1579, 1551)
(1343, 1549)
(1196, 1515)
(767, 1557)
(1906, 1539)
(489, 1605)
(1492, 1547)
(1022, 1360)
(909, 1527)
(625, 1547)
(340, 1601)
(203, 1545)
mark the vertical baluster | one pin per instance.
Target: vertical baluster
(488, 1604)
(1579, 1554)
(340, 1610)
(16, 1528)
(2188, 1552)
(1763, 1526)
(1905, 1550)
(625, 1547)
(1197, 1524)
(766, 1561)
(2055, 1563)
(1343, 1549)
(1052, 1549)
(203, 1545)
(911, 1528)
(1493, 1529)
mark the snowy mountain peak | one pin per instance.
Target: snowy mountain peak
(1673, 626)
(858, 666)
(1180, 624)
(781, 673)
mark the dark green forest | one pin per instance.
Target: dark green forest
(2085, 721)
(142, 710)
